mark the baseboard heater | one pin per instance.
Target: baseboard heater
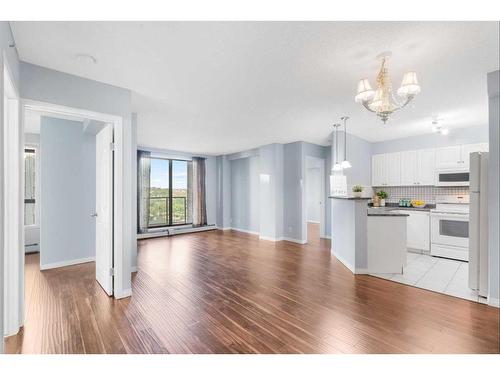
(175, 231)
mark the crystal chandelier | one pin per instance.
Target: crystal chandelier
(382, 101)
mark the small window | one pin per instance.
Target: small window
(30, 186)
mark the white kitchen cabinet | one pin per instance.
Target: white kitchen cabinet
(457, 156)
(418, 231)
(448, 157)
(386, 169)
(379, 170)
(393, 165)
(425, 167)
(417, 167)
(409, 168)
(466, 150)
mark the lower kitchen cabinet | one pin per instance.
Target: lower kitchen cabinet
(418, 231)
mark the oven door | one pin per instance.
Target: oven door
(452, 178)
(451, 229)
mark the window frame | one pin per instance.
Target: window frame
(36, 147)
(170, 196)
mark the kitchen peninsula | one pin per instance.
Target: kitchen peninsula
(368, 240)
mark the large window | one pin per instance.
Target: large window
(29, 186)
(170, 196)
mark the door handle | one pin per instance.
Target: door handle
(94, 214)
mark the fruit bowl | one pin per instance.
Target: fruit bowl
(418, 203)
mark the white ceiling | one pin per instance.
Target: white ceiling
(221, 87)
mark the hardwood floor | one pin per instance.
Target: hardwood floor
(229, 292)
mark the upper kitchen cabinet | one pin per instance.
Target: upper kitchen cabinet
(417, 167)
(379, 170)
(466, 150)
(386, 169)
(425, 167)
(448, 157)
(457, 156)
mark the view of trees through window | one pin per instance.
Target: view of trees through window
(29, 186)
(170, 197)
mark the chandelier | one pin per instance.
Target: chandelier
(382, 100)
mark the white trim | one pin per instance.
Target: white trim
(134, 269)
(267, 238)
(123, 294)
(289, 239)
(313, 222)
(66, 263)
(13, 207)
(495, 302)
(326, 237)
(119, 200)
(172, 231)
(224, 228)
(361, 271)
(342, 260)
(245, 231)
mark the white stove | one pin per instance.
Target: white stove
(450, 227)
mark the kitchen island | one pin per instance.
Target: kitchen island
(368, 240)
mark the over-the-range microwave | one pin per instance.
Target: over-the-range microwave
(452, 177)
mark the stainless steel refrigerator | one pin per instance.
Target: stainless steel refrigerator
(478, 223)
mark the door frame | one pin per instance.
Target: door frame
(12, 255)
(118, 183)
(322, 213)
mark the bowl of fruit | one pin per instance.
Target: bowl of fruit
(418, 203)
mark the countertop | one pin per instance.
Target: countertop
(394, 206)
(384, 211)
(348, 198)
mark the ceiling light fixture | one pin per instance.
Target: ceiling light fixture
(437, 127)
(336, 167)
(345, 163)
(382, 101)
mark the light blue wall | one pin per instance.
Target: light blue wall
(50, 86)
(293, 169)
(474, 134)
(11, 58)
(223, 204)
(493, 184)
(359, 154)
(245, 194)
(67, 167)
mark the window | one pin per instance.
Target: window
(29, 186)
(170, 195)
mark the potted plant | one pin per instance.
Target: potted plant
(382, 195)
(357, 190)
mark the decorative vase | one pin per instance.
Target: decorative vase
(382, 202)
(357, 194)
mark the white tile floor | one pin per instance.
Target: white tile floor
(441, 275)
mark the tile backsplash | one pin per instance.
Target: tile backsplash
(425, 193)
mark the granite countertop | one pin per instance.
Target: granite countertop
(383, 211)
(349, 198)
(395, 206)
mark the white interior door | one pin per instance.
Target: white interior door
(104, 209)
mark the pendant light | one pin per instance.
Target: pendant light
(336, 167)
(345, 163)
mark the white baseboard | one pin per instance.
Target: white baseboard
(272, 239)
(133, 269)
(313, 222)
(289, 239)
(342, 260)
(326, 237)
(245, 231)
(66, 263)
(123, 294)
(495, 302)
(222, 228)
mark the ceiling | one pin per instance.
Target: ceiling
(221, 87)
